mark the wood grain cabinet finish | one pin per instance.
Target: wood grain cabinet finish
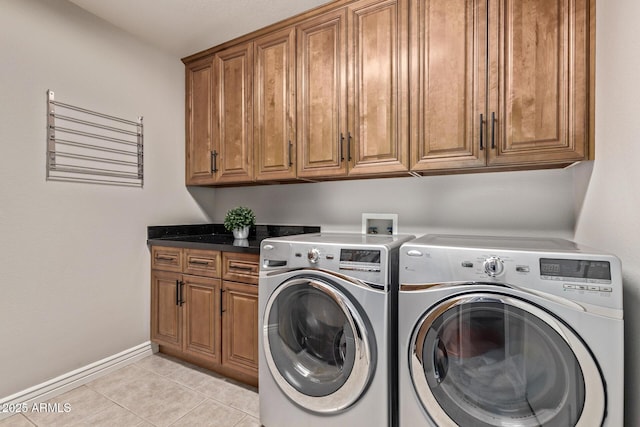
(202, 319)
(202, 324)
(233, 114)
(199, 116)
(274, 106)
(240, 267)
(201, 262)
(352, 91)
(378, 88)
(377, 130)
(539, 62)
(166, 315)
(499, 83)
(322, 95)
(166, 258)
(240, 327)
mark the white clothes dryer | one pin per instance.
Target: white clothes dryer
(497, 331)
(327, 315)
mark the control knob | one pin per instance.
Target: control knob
(493, 266)
(313, 255)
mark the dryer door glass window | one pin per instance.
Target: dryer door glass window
(489, 361)
(317, 345)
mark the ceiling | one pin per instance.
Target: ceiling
(184, 27)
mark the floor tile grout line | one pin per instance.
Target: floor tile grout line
(120, 405)
(201, 394)
(206, 396)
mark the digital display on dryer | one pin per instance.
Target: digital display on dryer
(575, 268)
(360, 255)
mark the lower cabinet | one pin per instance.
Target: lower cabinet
(185, 313)
(205, 320)
(240, 327)
(201, 316)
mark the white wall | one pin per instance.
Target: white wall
(610, 215)
(506, 203)
(75, 266)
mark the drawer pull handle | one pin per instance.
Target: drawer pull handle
(241, 267)
(198, 262)
(165, 258)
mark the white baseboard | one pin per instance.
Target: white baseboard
(70, 380)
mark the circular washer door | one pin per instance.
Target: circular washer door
(317, 344)
(493, 360)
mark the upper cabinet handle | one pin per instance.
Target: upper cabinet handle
(341, 147)
(493, 130)
(214, 167)
(290, 158)
(349, 147)
(481, 132)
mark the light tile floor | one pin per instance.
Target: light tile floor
(155, 391)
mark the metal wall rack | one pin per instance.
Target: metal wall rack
(91, 147)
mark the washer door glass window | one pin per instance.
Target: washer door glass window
(487, 360)
(317, 345)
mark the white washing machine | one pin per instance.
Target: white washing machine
(498, 331)
(327, 348)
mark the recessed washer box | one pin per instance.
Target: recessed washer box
(384, 224)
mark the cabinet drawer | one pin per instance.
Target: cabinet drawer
(240, 267)
(166, 259)
(202, 262)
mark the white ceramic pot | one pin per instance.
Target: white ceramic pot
(241, 233)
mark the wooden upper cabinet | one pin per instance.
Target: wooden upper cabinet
(499, 83)
(353, 91)
(377, 130)
(539, 62)
(389, 87)
(322, 95)
(448, 78)
(199, 145)
(233, 114)
(274, 105)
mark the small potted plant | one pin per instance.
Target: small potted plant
(239, 220)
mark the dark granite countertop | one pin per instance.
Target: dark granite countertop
(216, 237)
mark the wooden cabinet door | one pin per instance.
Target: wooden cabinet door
(199, 115)
(378, 140)
(166, 315)
(448, 83)
(274, 107)
(202, 324)
(539, 75)
(233, 114)
(240, 327)
(322, 95)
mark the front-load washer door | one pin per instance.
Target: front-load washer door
(486, 359)
(318, 344)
